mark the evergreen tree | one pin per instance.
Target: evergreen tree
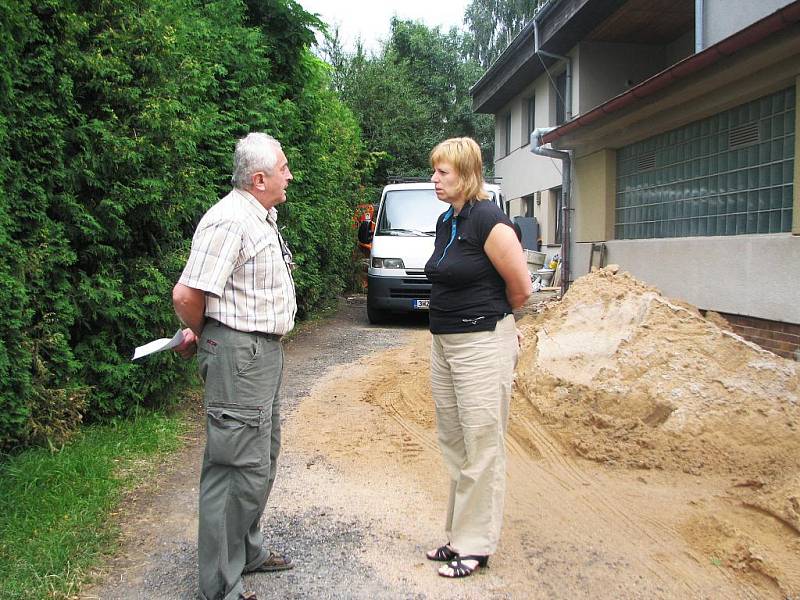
(410, 96)
(117, 123)
(494, 23)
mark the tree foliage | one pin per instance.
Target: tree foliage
(493, 24)
(117, 126)
(409, 96)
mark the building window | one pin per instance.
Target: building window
(531, 106)
(561, 98)
(527, 204)
(729, 174)
(507, 134)
(558, 209)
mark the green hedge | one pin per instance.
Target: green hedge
(117, 126)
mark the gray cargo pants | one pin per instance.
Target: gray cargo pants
(242, 375)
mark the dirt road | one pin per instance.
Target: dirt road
(595, 508)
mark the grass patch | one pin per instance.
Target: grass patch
(55, 507)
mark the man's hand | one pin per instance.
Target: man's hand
(190, 306)
(188, 346)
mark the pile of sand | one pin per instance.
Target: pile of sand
(612, 380)
(627, 377)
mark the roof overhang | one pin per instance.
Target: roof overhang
(562, 24)
(756, 61)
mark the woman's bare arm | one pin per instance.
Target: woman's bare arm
(505, 252)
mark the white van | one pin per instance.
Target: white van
(405, 228)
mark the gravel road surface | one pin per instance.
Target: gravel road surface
(361, 492)
(158, 556)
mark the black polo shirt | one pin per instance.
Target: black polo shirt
(468, 293)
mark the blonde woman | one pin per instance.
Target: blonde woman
(479, 275)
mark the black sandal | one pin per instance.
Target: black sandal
(459, 569)
(442, 554)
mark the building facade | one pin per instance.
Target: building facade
(679, 119)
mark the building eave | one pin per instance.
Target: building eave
(759, 31)
(562, 24)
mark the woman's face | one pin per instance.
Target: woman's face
(446, 182)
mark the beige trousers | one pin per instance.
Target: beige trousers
(471, 379)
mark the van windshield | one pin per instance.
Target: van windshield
(410, 212)
(413, 212)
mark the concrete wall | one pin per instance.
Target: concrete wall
(515, 207)
(519, 116)
(723, 18)
(610, 69)
(594, 191)
(753, 275)
(522, 172)
(679, 49)
(556, 70)
(750, 275)
(525, 174)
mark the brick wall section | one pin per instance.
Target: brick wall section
(781, 338)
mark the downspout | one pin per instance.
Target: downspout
(699, 24)
(567, 59)
(566, 179)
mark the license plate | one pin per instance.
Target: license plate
(422, 304)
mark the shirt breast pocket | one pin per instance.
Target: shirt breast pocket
(265, 259)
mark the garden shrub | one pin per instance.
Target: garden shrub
(117, 127)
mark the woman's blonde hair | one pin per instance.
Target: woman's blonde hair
(465, 156)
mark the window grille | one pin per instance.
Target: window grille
(646, 161)
(743, 135)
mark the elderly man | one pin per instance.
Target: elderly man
(236, 296)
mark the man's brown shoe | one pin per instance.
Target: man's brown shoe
(274, 562)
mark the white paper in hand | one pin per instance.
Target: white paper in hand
(158, 345)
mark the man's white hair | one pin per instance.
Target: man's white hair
(255, 152)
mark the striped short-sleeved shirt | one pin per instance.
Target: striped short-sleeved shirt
(242, 263)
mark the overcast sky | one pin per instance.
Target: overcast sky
(370, 18)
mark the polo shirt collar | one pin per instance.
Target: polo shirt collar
(464, 214)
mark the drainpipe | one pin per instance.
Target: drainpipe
(699, 21)
(566, 180)
(568, 99)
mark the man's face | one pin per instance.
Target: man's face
(271, 187)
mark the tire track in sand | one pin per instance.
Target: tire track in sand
(566, 485)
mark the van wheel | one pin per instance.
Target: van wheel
(375, 316)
